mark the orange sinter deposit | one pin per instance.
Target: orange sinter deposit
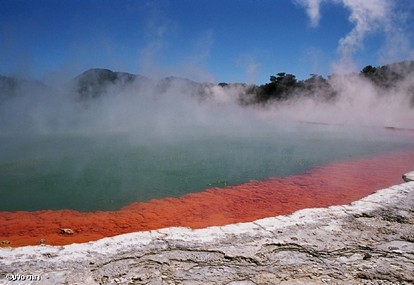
(333, 184)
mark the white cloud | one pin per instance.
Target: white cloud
(312, 9)
(367, 16)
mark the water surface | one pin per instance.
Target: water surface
(106, 171)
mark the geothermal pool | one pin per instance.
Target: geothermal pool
(106, 185)
(107, 171)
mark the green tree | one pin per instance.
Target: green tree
(280, 87)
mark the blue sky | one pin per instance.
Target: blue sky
(204, 40)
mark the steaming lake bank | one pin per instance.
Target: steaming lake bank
(365, 242)
(332, 184)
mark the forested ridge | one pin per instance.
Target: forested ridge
(282, 86)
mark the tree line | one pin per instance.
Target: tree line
(284, 86)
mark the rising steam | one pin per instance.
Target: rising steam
(367, 17)
(176, 106)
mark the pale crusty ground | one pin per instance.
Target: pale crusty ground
(370, 241)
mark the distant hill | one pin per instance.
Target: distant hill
(11, 87)
(97, 82)
(94, 82)
(182, 85)
(170, 81)
(8, 87)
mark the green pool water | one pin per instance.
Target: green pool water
(105, 171)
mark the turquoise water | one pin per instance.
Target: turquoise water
(107, 171)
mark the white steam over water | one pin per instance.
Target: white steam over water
(182, 107)
(359, 103)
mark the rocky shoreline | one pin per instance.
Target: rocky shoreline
(370, 241)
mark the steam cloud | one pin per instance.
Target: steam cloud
(177, 107)
(312, 9)
(368, 17)
(360, 101)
